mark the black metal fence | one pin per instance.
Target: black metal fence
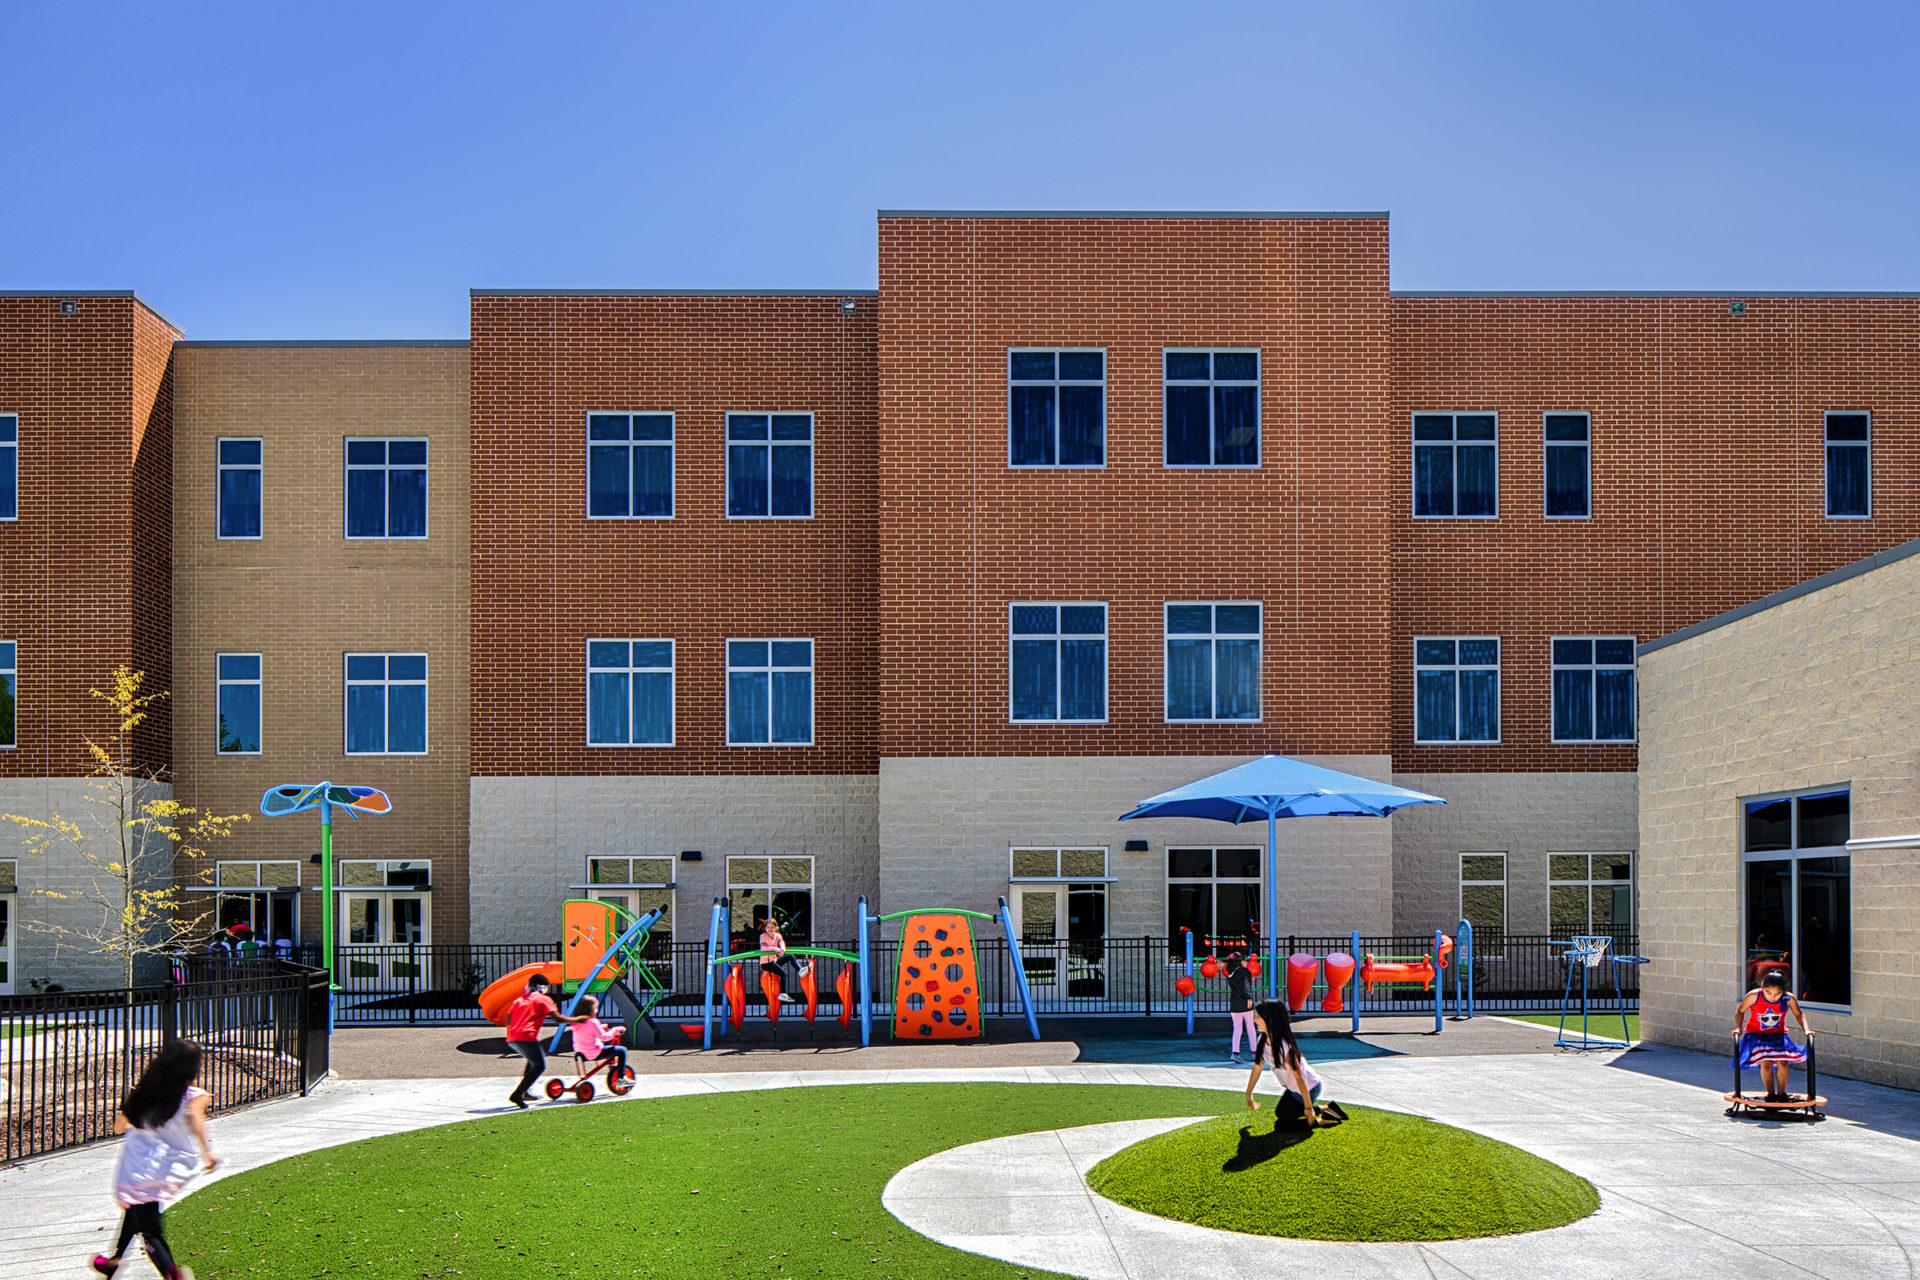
(414, 985)
(68, 1059)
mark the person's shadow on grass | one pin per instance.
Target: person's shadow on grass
(1258, 1148)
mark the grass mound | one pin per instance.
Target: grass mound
(1380, 1176)
(767, 1183)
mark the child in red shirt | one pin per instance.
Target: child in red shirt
(525, 1017)
(1760, 1036)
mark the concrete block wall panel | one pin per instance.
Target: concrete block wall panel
(1820, 691)
(532, 838)
(302, 597)
(947, 825)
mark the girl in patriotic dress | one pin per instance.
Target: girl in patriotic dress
(1761, 1033)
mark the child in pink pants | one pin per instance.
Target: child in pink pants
(1240, 1005)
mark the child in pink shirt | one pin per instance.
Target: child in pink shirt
(593, 1039)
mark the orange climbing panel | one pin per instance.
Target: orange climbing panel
(587, 930)
(937, 989)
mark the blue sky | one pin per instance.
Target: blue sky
(343, 170)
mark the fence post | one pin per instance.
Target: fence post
(413, 982)
(1146, 973)
(169, 1014)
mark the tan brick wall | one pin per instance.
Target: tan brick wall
(302, 596)
(1820, 691)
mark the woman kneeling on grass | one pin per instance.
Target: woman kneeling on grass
(165, 1120)
(1278, 1048)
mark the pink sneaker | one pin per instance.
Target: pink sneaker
(103, 1265)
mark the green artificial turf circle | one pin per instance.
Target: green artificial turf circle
(1382, 1175)
(759, 1183)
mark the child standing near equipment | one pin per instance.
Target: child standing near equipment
(1760, 1033)
(165, 1120)
(1278, 1048)
(525, 1019)
(1240, 1006)
(593, 1039)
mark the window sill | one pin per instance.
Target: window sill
(618, 746)
(1054, 724)
(770, 744)
(386, 537)
(1255, 720)
(1457, 742)
(1063, 879)
(1853, 519)
(763, 519)
(1056, 466)
(238, 537)
(1587, 516)
(628, 519)
(384, 755)
(622, 887)
(237, 755)
(1495, 516)
(1210, 466)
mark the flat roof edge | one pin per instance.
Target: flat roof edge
(1167, 214)
(134, 294)
(325, 342)
(1650, 293)
(673, 293)
(1833, 577)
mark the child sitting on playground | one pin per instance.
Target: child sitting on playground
(771, 939)
(1278, 1047)
(1761, 1037)
(593, 1039)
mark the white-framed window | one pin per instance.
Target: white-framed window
(237, 676)
(1798, 880)
(9, 688)
(1210, 407)
(386, 488)
(1589, 893)
(386, 873)
(386, 704)
(770, 693)
(770, 466)
(386, 903)
(781, 884)
(272, 873)
(1054, 863)
(9, 466)
(1849, 466)
(630, 693)
(1213, 661)
(629, 466)
(1456, 696)
(1056, 407)
(637, 886)
(1456, 466)
(1057, 663)
(1483, 900)
(238, 481)
(1216, 893)
(1568, 462)
(1593, 688)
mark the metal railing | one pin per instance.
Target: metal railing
(68, 1059)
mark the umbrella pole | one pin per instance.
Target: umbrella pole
(1273, 913)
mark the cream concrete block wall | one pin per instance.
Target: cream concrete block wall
(302, 597)
(946, 826)
(1814, 692)
(1523, 815)
(64, 871)
(531, 838)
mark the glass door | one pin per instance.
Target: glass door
(377, 936)
(6, 945)
(1041, 911)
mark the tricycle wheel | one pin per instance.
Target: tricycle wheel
(555, 1089)
(620, 1080)
(584, 1091)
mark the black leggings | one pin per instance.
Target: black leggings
(536, 1064)
(144, 1220)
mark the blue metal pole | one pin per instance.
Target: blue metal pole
(1463, 956)
(1020, 968)
(1273, 911)
(1439, 983)
(1189, 934)
(706, 1005)
(326, 904)
(1354, 990)
(866, 981)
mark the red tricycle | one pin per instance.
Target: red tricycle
(619, 1076)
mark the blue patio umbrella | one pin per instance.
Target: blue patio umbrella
(1271, 788)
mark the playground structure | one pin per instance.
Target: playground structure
(1303, 973)
(1585, 954)
(1797, 1106)
(601, 951)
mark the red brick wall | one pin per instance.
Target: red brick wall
(1708, 477)
(545, 578)
(85, 387)
(151, 503)
(962, 535)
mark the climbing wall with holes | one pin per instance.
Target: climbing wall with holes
(937, 990)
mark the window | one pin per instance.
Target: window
(1213, 662)
(263, 897)
(781, 885)
(370, 874)
(387, 488)
(1056, 408)
(1456, 464)
(257, 875)
(1215, 893)
(1483, 900)
(9, 684)
(386, 704)
(770, 466)
(629, 466)
(7, 888)
(1849, 466)
(9, 466)
(1593, 689)
(1211, 408)
(1057, 864)
(1457, 689)
(1569, 466)
(1590, 893)
(239, 487)
(637, 885)
(1799, 894)
(238, 676)
(1058, 662)
(630, 693)
(769, 693)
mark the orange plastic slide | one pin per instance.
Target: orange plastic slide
(495, 1000)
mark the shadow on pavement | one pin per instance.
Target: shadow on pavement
(1870, 1106)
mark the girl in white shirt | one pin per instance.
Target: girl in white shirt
(165, 1120)
(1278, 1048)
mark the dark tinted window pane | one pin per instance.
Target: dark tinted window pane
(1573, 651)
(239, 726)
(1035, 680)
(1826, 930)
(1847, 481)
(6, 710)
(1190, 908)
(243, 453)
(746, 653)
(1614, 651)
(1847, 426)
(607, 653)
(1030, 365)
(366, 709)
(367, 666)
(1433, 706)
(1566, 481)
(1232, 365)
(607, 706)
(792, 426)
(1237, 426)
(747, 426)
(1613, 706)
(1082, 433)
(1187, 364)
(1433, 480)
(1566, 426)
(1189, 864)
(1189, 679)
(9, 483)
(1477, 496)
(1083, 679)
(747, 709)
(1484, 653)
(653, 481)
(1432, 426)
(1479, 706)
(747, 480)
(407, 453)
(366, 452)
(1825, 819)
(652, 426)
(407, 666)
(233, 666)
(1030, 435)
(406, 717)
(9, 429)
(1573, 705)
(1189, 619)
(1238, 619)
(1083, 619)
(792, 706)
(1188, 443)
(1035, 620)
(653, 708)
(407, 504)
(792, 653)
(607, 480)
(1429, 652)
(606, 426)
(1474, 426)
(1769, 938)
(1237, 862)
(366, 504)
(793, 481)
(1082, 365)
(1769, 825)
(239, 501)
(652, 653)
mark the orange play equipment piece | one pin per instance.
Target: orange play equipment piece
(810, 988)
(1392, 971)
(770, 988)
(587, 929)
(735, 987)
(936, 988)
(843, 984)
(1302, 970)
(1252, 966)
(501, 994)
(1339, 974)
